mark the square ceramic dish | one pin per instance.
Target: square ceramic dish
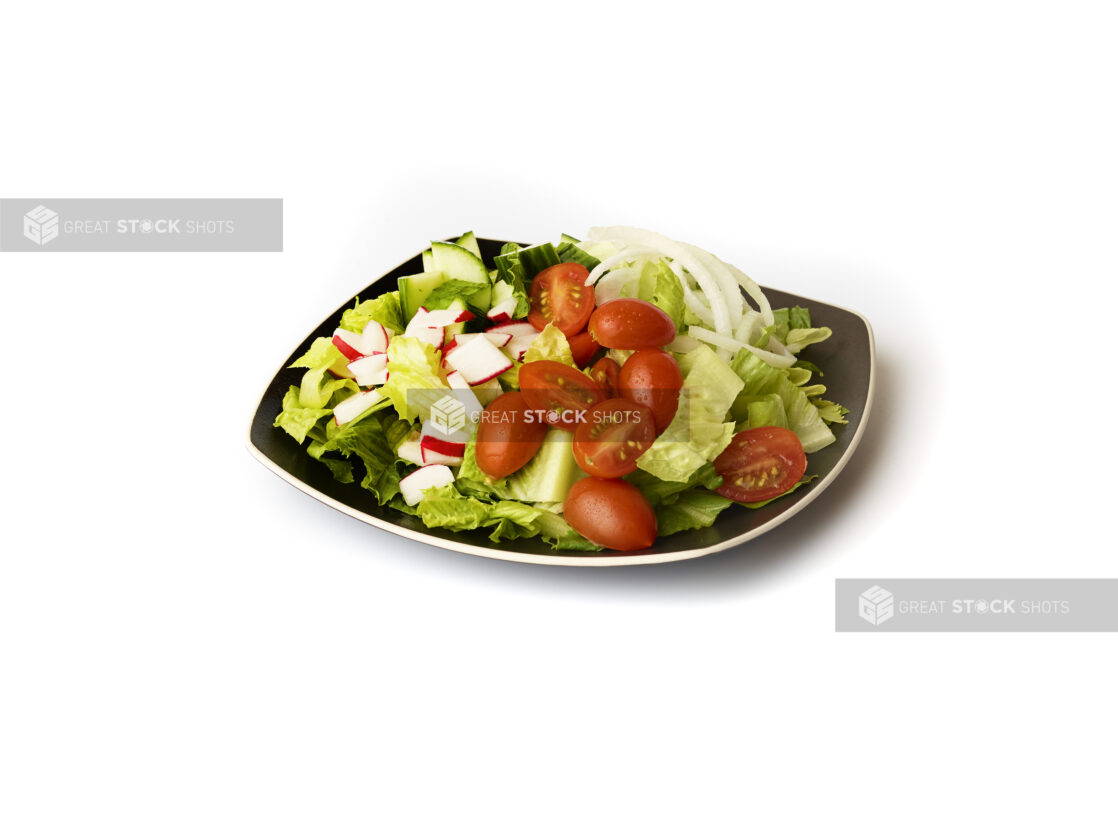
(847, 362)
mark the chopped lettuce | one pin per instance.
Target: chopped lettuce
(510, 271)
(695, 508)
(372, 440)
(315, 389)
(760, 379)
(444, 295)
(659, 286)
(761, 411)
(550, 345)
(413, 382)
(507, 519)
(297, 420)
(699, 431)
(385, 310)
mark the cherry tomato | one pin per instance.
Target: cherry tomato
(583, 348)
(506, 437)
(606, 374)
(612, 438)
(561, 390)
(612, 513)
(760, 463)
(559, 295)
(628, 323)
(651, 377)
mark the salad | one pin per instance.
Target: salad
(595, 393)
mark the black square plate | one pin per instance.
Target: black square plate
(846, 359)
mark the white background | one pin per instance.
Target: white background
(188, 642)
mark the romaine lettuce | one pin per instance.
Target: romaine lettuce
(699, 431)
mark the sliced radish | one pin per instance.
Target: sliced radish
(519, 329)
(503, 312)
(370, 368)
(487, 391)
(439, 445)
(355, 405)
(350, 344)
(446, 317)
(410, 450)
(427, 334)
(430, 457)
(375, 338)
(455, 380)
(519, 345)
(478, 360)
(374, 379)
(498, 338)
(415, 483)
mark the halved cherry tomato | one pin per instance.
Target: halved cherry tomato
(606, 374)
(612, 513)
(584, 348)
(760, 463)
(652, 377)
(612, 438)
(559, 295)
(629, 323)
(506, 437)
(561, 390)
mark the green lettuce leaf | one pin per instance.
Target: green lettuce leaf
(511, 271)
(297, 420)
(699, 431)
(550, 345)
(452, 290)
(830, 412)
(446, 508)
(760, 379)
(797, 339)
(413, 378)
(317, 388)
(385, 310)
(372, 441)
(659, 286)
(658, 491)
(695, 508)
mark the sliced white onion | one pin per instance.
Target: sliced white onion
(715, 339)
(706, 281)
(726, 282)
(750, 327)
(754, 291)
(611, 286)
(628, 254)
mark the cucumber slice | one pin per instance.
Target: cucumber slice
(551, 472)
(415, 288)
(458, 263)
(568, 238)
(537, 258)
(570, 253)
(428, 260)
(469, 242)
